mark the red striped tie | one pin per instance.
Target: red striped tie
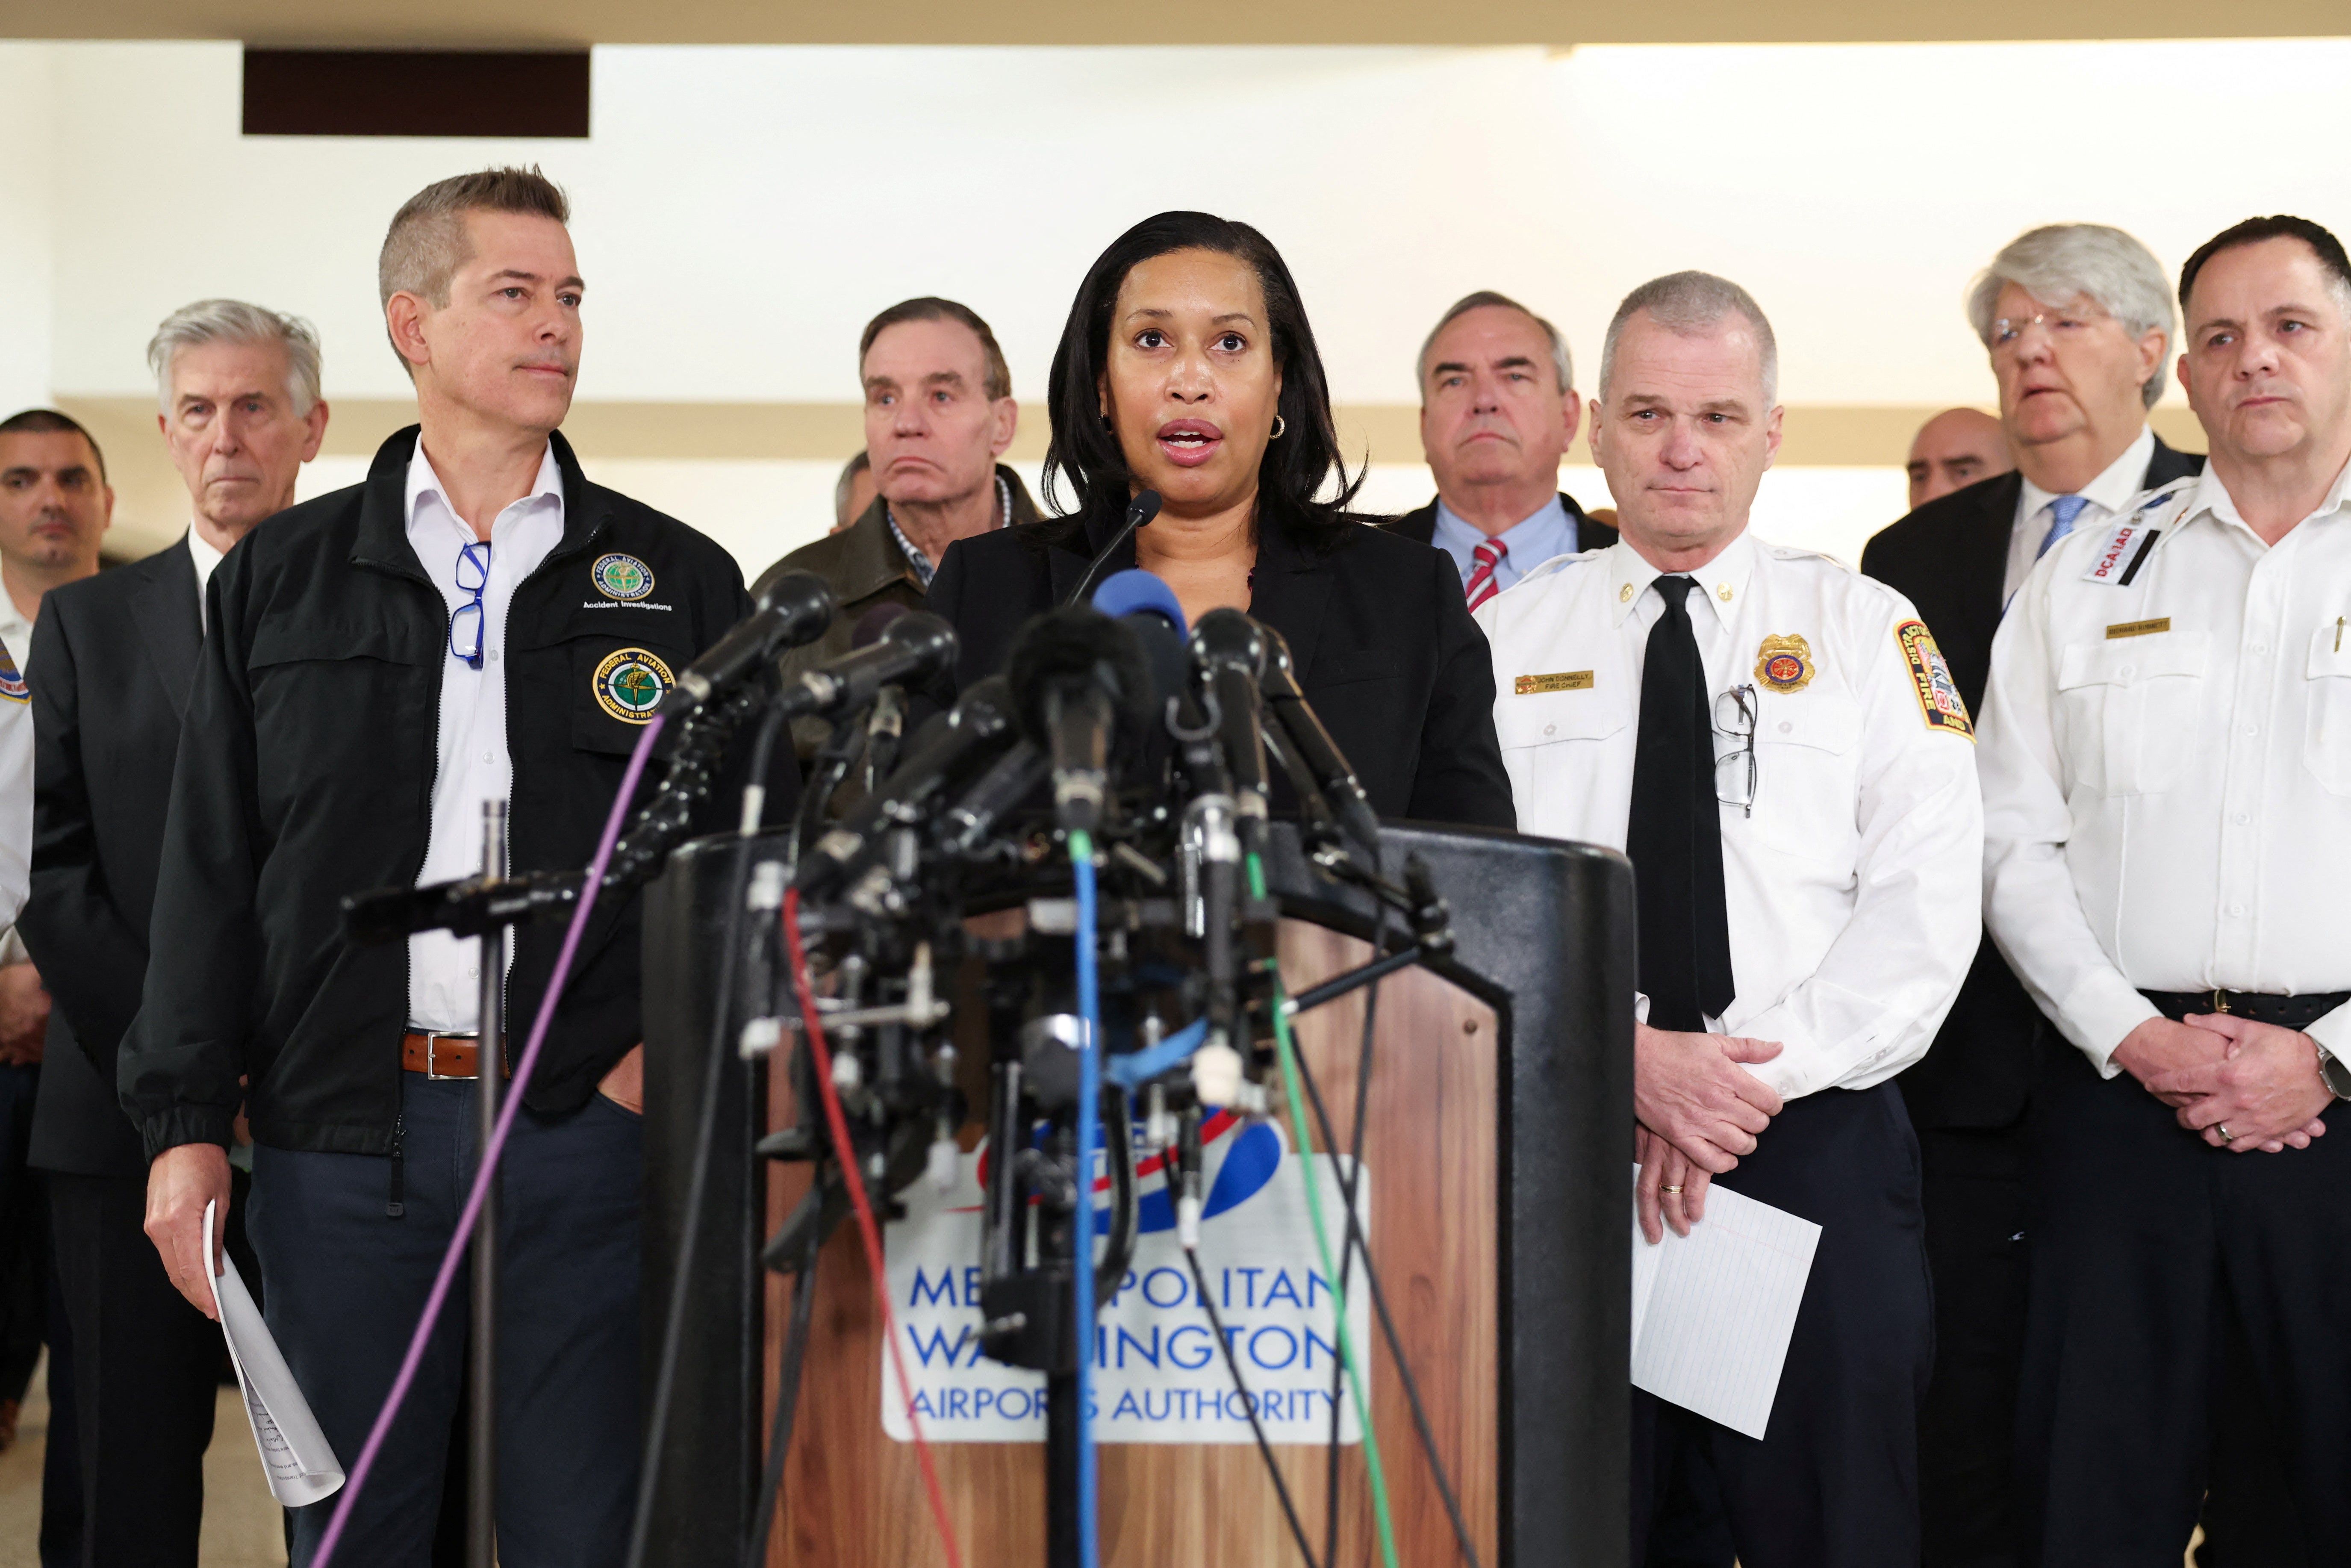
(1482, 585)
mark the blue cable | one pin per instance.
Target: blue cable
(1136, 1069)
(1081, 863)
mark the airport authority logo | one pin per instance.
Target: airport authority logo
(629, 685)
(622, 576)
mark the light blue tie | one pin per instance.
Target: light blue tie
(2065, 509)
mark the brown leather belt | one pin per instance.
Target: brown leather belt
(446, 1056)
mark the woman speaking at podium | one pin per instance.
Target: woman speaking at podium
(1187, 367)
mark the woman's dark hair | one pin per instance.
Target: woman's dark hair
(1296, 467)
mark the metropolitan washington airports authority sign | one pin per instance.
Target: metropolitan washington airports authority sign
(1158, 1375)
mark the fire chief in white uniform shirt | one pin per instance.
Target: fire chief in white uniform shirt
(1776, 743)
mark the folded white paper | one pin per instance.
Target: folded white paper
(294, 1453)
(1713, 1311)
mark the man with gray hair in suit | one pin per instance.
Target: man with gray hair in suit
(240, 411)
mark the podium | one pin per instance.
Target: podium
(1497, 1143)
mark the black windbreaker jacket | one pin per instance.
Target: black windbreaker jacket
(306, 772)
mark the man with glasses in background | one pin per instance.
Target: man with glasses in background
(1778, 745)
(474, 621)
(2077, 320)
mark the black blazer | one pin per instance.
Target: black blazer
(1385, 647)
(1949, 559)
(116, 653)
(1421, 525)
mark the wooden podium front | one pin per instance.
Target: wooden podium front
(854, 1498)
(1499, 1152)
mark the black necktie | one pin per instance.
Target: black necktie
(1675, 836)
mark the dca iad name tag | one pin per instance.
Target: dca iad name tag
(629, 685)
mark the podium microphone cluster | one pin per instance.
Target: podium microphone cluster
(789, 608)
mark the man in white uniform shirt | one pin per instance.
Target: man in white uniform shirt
(1776, 743)
(2168, 802)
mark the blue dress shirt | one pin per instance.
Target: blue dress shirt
(1532, 541)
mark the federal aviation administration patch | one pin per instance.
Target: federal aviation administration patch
(623, 577)
(1930, 677)
(629, 685)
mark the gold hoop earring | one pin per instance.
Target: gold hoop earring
(1279, 425)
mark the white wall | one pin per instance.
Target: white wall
(741, 212)
(28, 309)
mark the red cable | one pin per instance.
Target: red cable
(847, 1152)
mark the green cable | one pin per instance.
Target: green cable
(1288, 1051)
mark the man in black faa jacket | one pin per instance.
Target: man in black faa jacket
(475, 621)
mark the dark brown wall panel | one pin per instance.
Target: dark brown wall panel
(416, 92)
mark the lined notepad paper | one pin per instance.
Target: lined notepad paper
(1713, 1311)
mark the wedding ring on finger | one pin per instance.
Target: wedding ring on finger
(2226, 1136)
(1671, 1191)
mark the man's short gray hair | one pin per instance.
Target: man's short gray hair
(2055, 263)
(235, 321)
(1482, 300)
(1690, 303)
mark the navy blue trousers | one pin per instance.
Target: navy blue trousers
(2169, 1280)
(345, 1283)
(1833, 1481)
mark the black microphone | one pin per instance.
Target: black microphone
(914, 646)
(1302, 726)
(792, 608)
(1000, 788)
(980, 724)
(1229, 650)
(1139, 511)
(1082, 682)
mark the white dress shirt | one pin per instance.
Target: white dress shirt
(2107, 495)
(2166, 766)
(16, 784)
(207, 559)
(16, 636)
(443, 978)
(1851, 889)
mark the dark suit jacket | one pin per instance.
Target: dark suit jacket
(1384, 644)
(116, 653)
(865, 567)
(1421, 525)
(1949, 557)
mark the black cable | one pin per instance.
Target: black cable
(1347, 1192)
(1358, 1242)
(1232, 1363)
(788, 1398)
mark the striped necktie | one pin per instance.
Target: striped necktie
(2064, 509)
(1482, 585)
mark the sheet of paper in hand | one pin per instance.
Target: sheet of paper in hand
(294, 1453)
(1713, 1311)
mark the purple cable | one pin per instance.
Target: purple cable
(489, 1165)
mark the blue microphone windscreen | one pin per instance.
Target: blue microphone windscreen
(1126, 592)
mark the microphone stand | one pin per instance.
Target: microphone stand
(489, 1061)
(1139, 511)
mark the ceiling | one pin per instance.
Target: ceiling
(468, 23)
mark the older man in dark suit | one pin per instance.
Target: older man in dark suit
(1497, 411)
(2077, 319)
(241, 413)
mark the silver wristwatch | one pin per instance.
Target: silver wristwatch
(2335, 1073)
